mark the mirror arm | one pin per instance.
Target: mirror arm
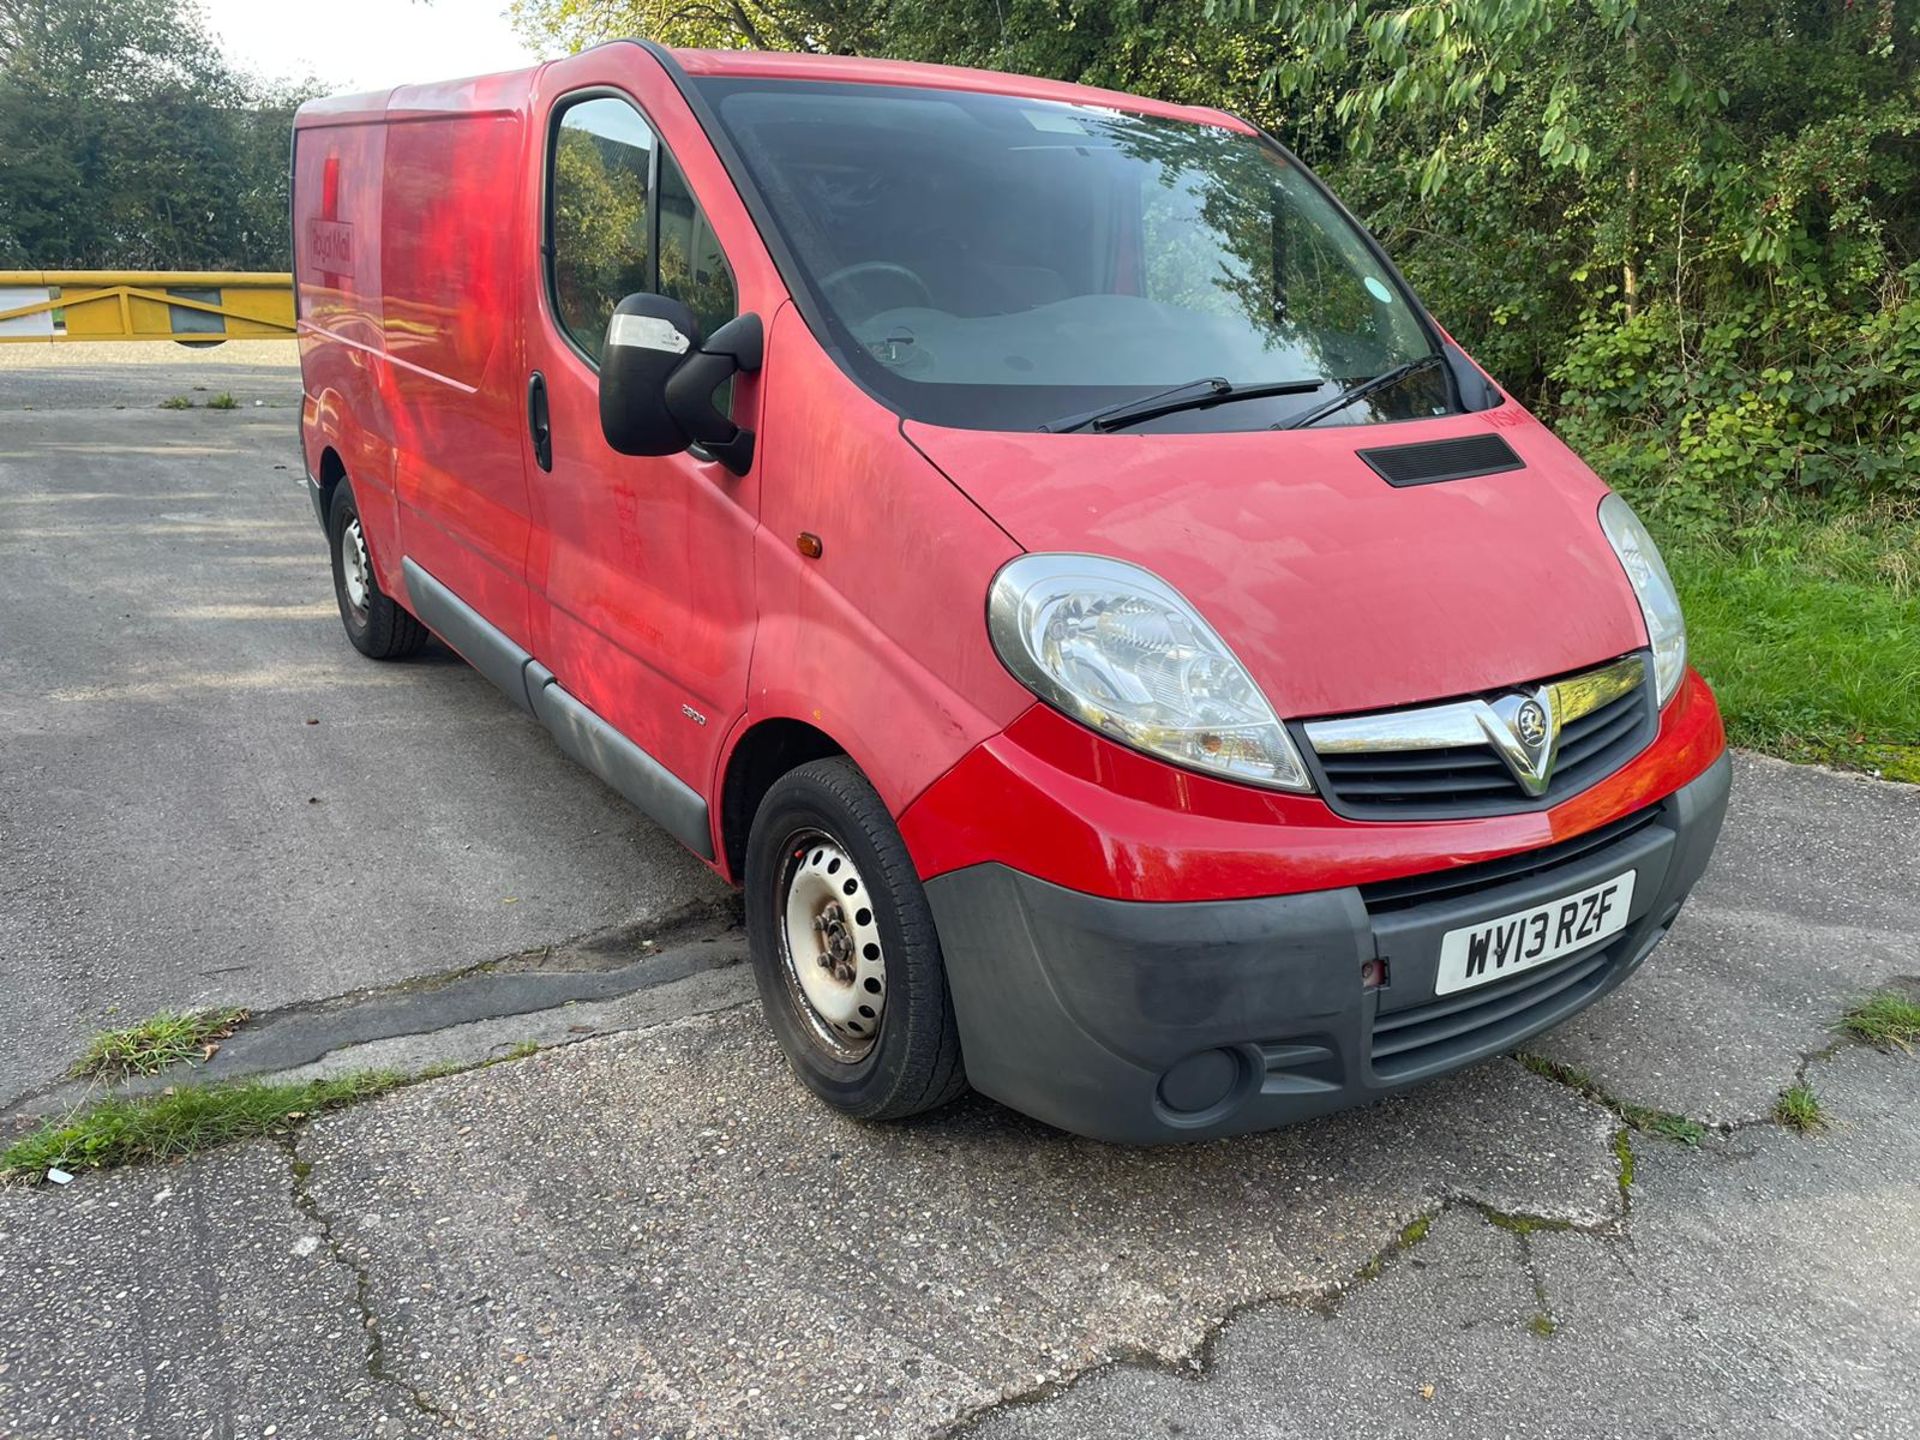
(736, 347)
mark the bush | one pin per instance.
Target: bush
(1713, 418)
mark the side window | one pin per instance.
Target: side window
(601, 230)
(692, 267)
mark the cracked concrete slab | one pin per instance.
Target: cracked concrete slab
(1764, 1285)
(183, 1300)
(212, 800)
(457, 1020)
(697, 1247)
(1812, 901)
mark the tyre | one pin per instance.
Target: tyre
(844, 948)
(376, 624)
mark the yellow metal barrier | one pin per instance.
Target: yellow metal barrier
(191, 306)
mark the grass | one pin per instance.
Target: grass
(1888, 1020)
(124, 1132)
(1810, 632)
(222, 401)
(1798, 1108)
(1663, 1123)
(177, 402)
(157, 1042)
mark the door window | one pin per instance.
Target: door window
(621, 218)
(693, 268)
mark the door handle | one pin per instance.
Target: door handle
(539, 424)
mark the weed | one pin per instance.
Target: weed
(1515, 1224)
(1557, 1070)
(222, 401)
(1798, 1108)
(155, 1127)
(1663, 1123)
(1542, 1324)
(157, 1042)
(1886, 1020)
(177, 402)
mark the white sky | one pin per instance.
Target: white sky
(367, 44)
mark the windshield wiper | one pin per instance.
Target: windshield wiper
(1383, 381)
(1194, 395)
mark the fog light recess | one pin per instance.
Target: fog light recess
(1203, 1083)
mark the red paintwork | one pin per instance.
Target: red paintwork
(644, 564)
(869, 642)
(411, 353)
(668, 594)
(858, 70)
(1055, 800)
(1337, 591)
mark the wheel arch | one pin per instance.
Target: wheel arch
(767, 749)
(330, 472)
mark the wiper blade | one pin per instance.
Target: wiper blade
(1384, 381)
(1194, 395)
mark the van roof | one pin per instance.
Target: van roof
(508, 91)
(856, 70)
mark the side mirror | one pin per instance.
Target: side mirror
(657, 380)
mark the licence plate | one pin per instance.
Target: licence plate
(1494, 949)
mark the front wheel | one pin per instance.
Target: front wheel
(844, 949)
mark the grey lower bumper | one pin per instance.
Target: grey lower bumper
(1147, 1023)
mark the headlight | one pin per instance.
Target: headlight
(1118, 649)
(1659, 601)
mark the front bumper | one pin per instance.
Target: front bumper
(1152, 1022)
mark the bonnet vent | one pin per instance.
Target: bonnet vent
(1435, 460)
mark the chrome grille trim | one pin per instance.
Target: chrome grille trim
(1464, 722)
(1489, 754)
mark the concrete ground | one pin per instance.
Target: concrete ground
(210, 797)
(645, 1229)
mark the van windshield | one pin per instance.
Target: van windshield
(996, 262)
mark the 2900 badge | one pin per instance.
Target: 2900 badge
(1476, 954)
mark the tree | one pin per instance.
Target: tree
(1690, 228)
(130, 144)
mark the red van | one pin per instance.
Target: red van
(1033, 540)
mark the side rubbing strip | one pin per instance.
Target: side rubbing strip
(459, 624)
(643, 780)
(647, 783)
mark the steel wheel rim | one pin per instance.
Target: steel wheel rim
(831, 954)
(355, 572)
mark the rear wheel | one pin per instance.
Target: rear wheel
(844, 949)
(377, 625)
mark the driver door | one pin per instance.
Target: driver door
(641, 568)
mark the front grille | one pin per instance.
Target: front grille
(1435, 886)
(1456, 1028)
(1469, 779)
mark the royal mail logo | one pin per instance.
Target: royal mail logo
(330, 245)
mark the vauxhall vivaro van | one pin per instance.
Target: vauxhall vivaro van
(1030, 538)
